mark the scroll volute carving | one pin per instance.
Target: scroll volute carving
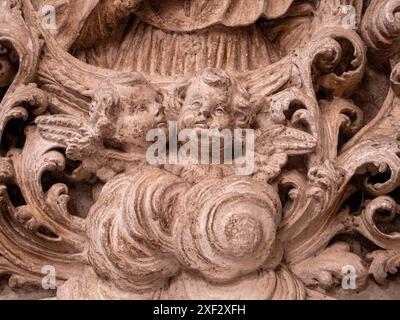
(80, 194)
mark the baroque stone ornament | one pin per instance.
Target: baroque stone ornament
(84, 84)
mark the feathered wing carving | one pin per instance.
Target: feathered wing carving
(83, 142)
(273, 147)
(73, 134)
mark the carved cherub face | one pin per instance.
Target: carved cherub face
(205, 107)
(212, 100)
(124, 114)
(141, 109)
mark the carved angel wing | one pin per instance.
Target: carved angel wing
(75, 135)
(281, 139)
(268, 80)
(274, 145)
(83, 143)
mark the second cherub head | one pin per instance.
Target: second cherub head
(213, 99)
(124, 110)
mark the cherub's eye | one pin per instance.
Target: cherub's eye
(220, 110)
(196, 105)
(139, 108)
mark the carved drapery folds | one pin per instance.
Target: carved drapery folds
(78, 194)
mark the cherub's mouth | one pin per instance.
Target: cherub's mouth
(201, 125)
(162, 125)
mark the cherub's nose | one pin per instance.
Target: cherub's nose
(204, 112)
(159, 110)
(102, 121)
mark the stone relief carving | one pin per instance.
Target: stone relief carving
(316, 81)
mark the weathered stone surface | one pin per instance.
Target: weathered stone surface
(85, 214)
